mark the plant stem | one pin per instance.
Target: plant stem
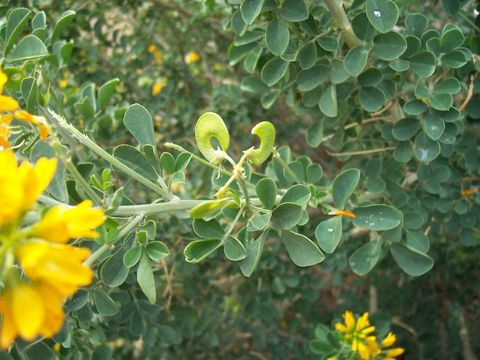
(361, 152)
(162, 190)
(129, 227)
(338, 12)
(284, 165)
(82, 182)
(147, 209)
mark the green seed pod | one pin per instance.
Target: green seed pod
(207, 208)
(211, 126)
(266, 133)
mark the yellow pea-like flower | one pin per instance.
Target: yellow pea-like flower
(61, 224)
(192, 57)
(56, 264)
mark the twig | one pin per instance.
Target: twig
(361, 152)
(469, 94)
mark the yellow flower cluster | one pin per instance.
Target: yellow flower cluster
(359, 334)
(157, 54)
(52, 270)
(158, 87)
(9, 109)
(192, 57)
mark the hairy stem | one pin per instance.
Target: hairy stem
(338, 12)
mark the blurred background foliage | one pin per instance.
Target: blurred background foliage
(175, 58)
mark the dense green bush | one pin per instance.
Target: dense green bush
(362, 196)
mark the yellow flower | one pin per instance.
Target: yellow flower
(38, 121)
(158, 87)
(21, 186)
(4, 134)
(344, 213)
(152, 48)
(63, 83)
(468, 192)
(58, 265)
(389, 340)
(7, 103)
(395, 352)
(61, 224)
(192, 57)
(3, 80)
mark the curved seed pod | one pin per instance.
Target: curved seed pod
(266, 132)
(208, 127)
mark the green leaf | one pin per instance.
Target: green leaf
(251, 60)
(426, 149)
(248, 37)
(364, 259)
(16, 22)
(308, 55)
(329, 233)
(30, 47)
(416, 24)
(311, 78)
(39, 21)
(273, 71)
(250, 9)
(113, 272)
(277, 36)
(454, 59)
(297, 194)
(343, 186)
(208, 229)
(389, 46)
(434, 126)
(104, 303)
(418, 240)
(254, 252)
(157, 250)
(377, 217)
(314, 173)
(382, 14)
(451, 39)
(198, 250)
(338, 72)
(423, 63)
(328, 43)
(362, 27)
(406, 128)
(286, 215)
(399, 65)
(355, 60)
(259, 221)
(294, 10)
(182, 161)
(234, 249)
(403, 151)
(414, 107)
(106, 91)
(371, 98)
(145, 278)
(370, 77)
(266, 190)
(448, 86)
(328, 102)
(410, 260)
(301, 249)
(65, 19)
(238, 24)
(132, 256)
(168, 162)
(135, 160)
(138, 122)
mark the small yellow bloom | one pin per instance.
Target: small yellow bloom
(344, 213)
(4, 134)
(395, 352)
(389, 340)
(7, 103)
(152, 48)
(63, 83)
(3, 80)
(35, 179)
(158, 56)
(468, 192)
(61, 224)
(58, 265)
(192, 57)
(349, 320)
(158, 87)
(39, 121)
